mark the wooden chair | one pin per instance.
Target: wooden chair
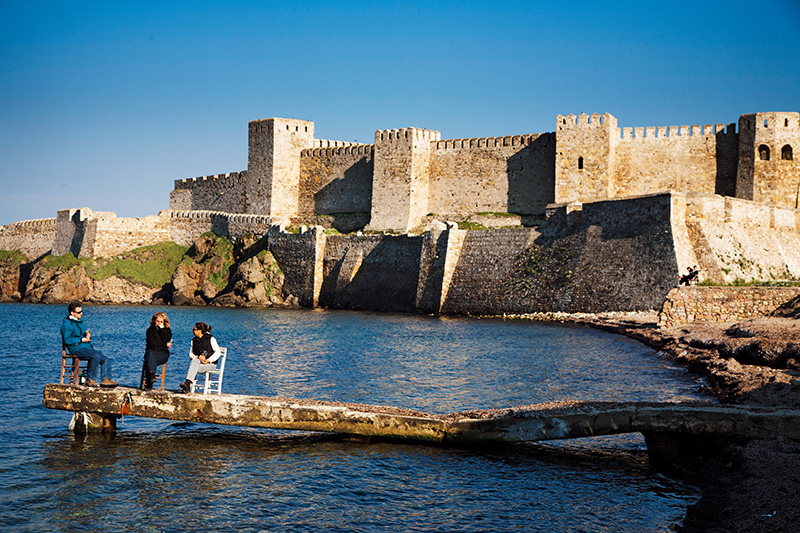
(74, 366)
(162, 375)
(209, 383)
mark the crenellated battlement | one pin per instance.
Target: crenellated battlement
(416, 134)
(231, 217)
(348, 149)
(680, 132)
(189, 183)
(487, 142)
(595, 120)
(35, 223)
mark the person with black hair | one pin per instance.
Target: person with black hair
(203, 354)
(77, 339)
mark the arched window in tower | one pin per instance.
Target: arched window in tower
(580, 163)
(763, 152)
(786, 153)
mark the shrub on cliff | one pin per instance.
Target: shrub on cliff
(11, 258)
(151, 266)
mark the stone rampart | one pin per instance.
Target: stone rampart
(513, 174)
(336, 179)
(371, 272)
(187, 226)
(88, 233)
(685, 158)
(721, 304)
(220, 192)
(739, 240)
(33, 238)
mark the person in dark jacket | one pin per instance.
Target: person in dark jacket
(158, 343)
(77, 339)
(203, 354)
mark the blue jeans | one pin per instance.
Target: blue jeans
(95, 359)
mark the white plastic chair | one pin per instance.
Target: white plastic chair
(209, 383)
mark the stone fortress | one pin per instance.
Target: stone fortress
(590, 217)
(410, 175)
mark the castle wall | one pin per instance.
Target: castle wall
(374, 272)
(741, 240)
(187, 226)
(513, 174)
(684, 159)
(721, 304)
(336, 179)
(112, 235)
(33, 238)
(220, 192)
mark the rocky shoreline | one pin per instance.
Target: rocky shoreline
(746, 486)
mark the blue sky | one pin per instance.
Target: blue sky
(105, 104)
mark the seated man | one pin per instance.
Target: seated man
(78, 341)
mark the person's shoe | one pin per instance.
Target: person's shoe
(186, 386)
(105, 382)
(90, 383)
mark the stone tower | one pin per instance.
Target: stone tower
(585, 153)
(768, 170)
(401, 179)
(273, 165)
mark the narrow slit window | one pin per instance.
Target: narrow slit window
(580, 163)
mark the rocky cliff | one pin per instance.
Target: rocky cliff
(213, 271)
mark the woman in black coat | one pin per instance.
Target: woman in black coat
(159, 341)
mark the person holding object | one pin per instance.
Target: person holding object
(203, 354)
(158, 343)
(77, 339)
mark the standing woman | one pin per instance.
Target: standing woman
(159, 341)
(203, 354)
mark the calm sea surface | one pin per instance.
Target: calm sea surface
(158, 475)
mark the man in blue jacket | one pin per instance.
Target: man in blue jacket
(78, 340)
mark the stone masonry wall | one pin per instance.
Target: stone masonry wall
(721, 304)
(220, 192)
(114, 235)
(513, 174)
(33, 238)
(683, 159)
(187, 226)
(336, 180)
(371, 272)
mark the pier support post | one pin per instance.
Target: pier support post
(93, 423)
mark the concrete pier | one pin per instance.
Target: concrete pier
(561, 420)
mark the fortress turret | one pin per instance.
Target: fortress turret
(768, 171)
(585, 157)
(401, 180)
(273, 165)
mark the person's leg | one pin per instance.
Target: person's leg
(105, 366)
(191, 374)
(89, 355)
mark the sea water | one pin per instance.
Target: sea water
(156, 475)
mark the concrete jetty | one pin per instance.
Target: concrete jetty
(659, 422)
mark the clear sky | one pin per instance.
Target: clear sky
(105, 104)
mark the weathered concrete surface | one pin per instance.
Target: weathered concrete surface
(531, 423)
